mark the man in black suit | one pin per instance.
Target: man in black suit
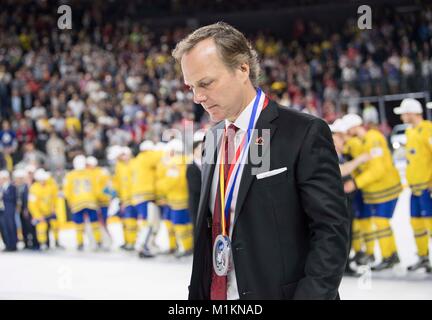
(8, 200)
(3, 163)
(272, 224)
(22, 189)
(193, 175)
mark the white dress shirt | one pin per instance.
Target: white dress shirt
(242, 123)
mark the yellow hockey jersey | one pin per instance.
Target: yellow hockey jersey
(80, 190)
(54, 192)
(102, 179)
(175, 182)
(353, 147)
(122, 181)
(143, 177)
(379, 180)
(419, 156)
(160, 185)
(41, 203)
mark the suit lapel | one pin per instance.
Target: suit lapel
(264, 122)
(208, 167)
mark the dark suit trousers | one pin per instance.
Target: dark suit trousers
(8, 229)
(29, 232)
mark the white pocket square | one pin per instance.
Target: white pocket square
(271, 173)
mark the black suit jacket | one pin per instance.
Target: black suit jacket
(193, 175)
(290, 234)
(10, 200)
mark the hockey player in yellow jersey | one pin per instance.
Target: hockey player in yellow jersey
(143, 174)
(419, 176)
(347, 166)
(103, 194)
(380, 184)
(177, 197)
(102, 178)
(53, 220)
(42, 203)
(162, 155)
(80, 191)
(122, 185)
(363, 240)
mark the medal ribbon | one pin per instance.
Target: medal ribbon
(241, 150)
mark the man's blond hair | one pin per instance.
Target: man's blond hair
(232, 46)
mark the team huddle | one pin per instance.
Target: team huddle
(142, 191)
(374, 184)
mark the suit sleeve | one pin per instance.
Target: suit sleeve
(323, 200)
(11, 196)
(193, 175)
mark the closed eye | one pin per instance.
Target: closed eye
(205, 84)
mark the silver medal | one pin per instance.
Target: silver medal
(221, 255)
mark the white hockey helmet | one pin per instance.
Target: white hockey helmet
(147, 145)
(161, 146)
(338, 126)
(91, 161)
(409, 105)
(19, 173)
(352, 120)
(79, 162)
(126, 151)
(41, 175)
(113, 152)
(31, 168)
(175, 145)
(4, 174)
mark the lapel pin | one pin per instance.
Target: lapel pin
(259, 141)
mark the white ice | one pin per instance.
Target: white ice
(122, 275)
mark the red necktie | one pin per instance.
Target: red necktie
(218, 289)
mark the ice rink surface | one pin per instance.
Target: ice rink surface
(67, 274)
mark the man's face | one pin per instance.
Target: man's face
(405, 117)
(352, 132)
(19, 181)
(29, 147)
(338, 141)
(217, 88)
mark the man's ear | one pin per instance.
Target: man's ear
(244, 68)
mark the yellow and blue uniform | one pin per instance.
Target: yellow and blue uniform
(80, 191)
(41, 203)
(143, 180)
(54, 191)
(419, 177)
(161, 165)
(362, 230)
(160, 197)
(177, 199)
(142, 192)
(122, 181)
(103, 195)
(380, 184)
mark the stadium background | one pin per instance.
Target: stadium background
(110, 80)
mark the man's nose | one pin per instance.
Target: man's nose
(199, 97)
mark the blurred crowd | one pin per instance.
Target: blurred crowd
(112, 81)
